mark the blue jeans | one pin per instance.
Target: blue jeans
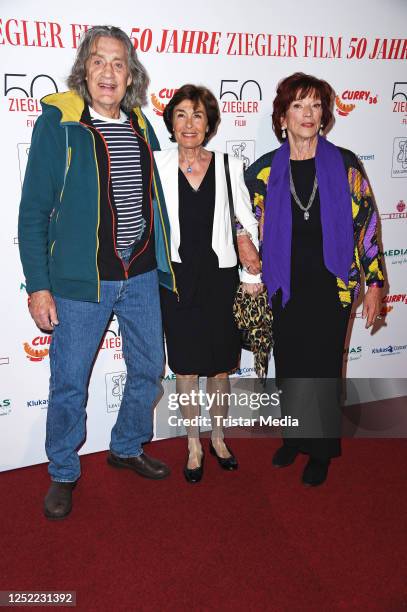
(74, 344)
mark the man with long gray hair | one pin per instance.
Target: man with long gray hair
(93, 235)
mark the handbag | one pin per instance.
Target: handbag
(252, 314)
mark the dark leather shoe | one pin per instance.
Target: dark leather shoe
(58, 500)
(228, 463)
(315, 472)
(194, 475)
(143, 464)
(285, 456)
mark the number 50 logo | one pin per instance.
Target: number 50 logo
(250, 84)
(30, 87)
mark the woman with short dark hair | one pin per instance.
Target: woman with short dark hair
(201, 335)
(318, 225)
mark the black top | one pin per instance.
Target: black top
(196, 210)
(308, 271)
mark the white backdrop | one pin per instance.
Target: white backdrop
(240, 51)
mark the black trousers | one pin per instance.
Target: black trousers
(309, 338)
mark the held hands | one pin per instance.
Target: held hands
(248, 255)
(253, 289)
(372, 305)
(43, 310)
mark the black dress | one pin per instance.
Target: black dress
(310, 332)
(200, 331)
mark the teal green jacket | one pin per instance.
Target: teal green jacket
(65, 190)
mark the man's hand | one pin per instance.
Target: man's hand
(43, 310)
(372, 305)
(248, 255)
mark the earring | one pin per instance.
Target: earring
(283, 133)
(321, 130)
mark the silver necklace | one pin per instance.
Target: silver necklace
(306, 208)
(189, 164)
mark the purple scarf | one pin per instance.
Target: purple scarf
(336, 217)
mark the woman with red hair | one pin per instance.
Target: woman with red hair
(318, 231)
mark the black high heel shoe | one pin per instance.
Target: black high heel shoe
(228, 463)
(194, 475)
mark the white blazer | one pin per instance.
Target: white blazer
(222, 238)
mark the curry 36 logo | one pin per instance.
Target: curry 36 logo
(242, 149)
(115, 383)
(399, 99)
(400, 214)
(240, 99)
(399, 166)
(398, 298)
(160, 100)
(345, 103)
(5, 407)
(23, 93)
(38, 349)
(390, 300)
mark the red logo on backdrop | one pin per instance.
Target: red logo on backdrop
(161, 100)
(399, 99)
(112, 340)
(23, 93)
(390, 300)
(33, 350)
(345, 103)
(400, 214)
(399, 298)
(242, 99)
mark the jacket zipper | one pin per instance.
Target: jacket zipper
(159, 207)
(149, 191)
(125, 269)
(98, 221)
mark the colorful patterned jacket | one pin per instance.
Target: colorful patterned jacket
(366, 252)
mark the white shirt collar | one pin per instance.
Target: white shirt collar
(123, 117)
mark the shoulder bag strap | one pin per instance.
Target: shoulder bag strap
(230, 199)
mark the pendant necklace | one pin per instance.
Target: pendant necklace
(189, 165)
(297, 200)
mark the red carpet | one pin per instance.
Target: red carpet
(251, 540)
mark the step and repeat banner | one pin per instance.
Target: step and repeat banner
(240, 51)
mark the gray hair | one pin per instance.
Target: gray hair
(136, 93)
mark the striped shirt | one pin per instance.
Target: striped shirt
(125, 174)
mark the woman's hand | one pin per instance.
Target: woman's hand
(248, 255)
(372, 303)
(253, 288)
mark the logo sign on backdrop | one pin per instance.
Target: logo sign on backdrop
(399, 166)
(115, 382)
(242, 149)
